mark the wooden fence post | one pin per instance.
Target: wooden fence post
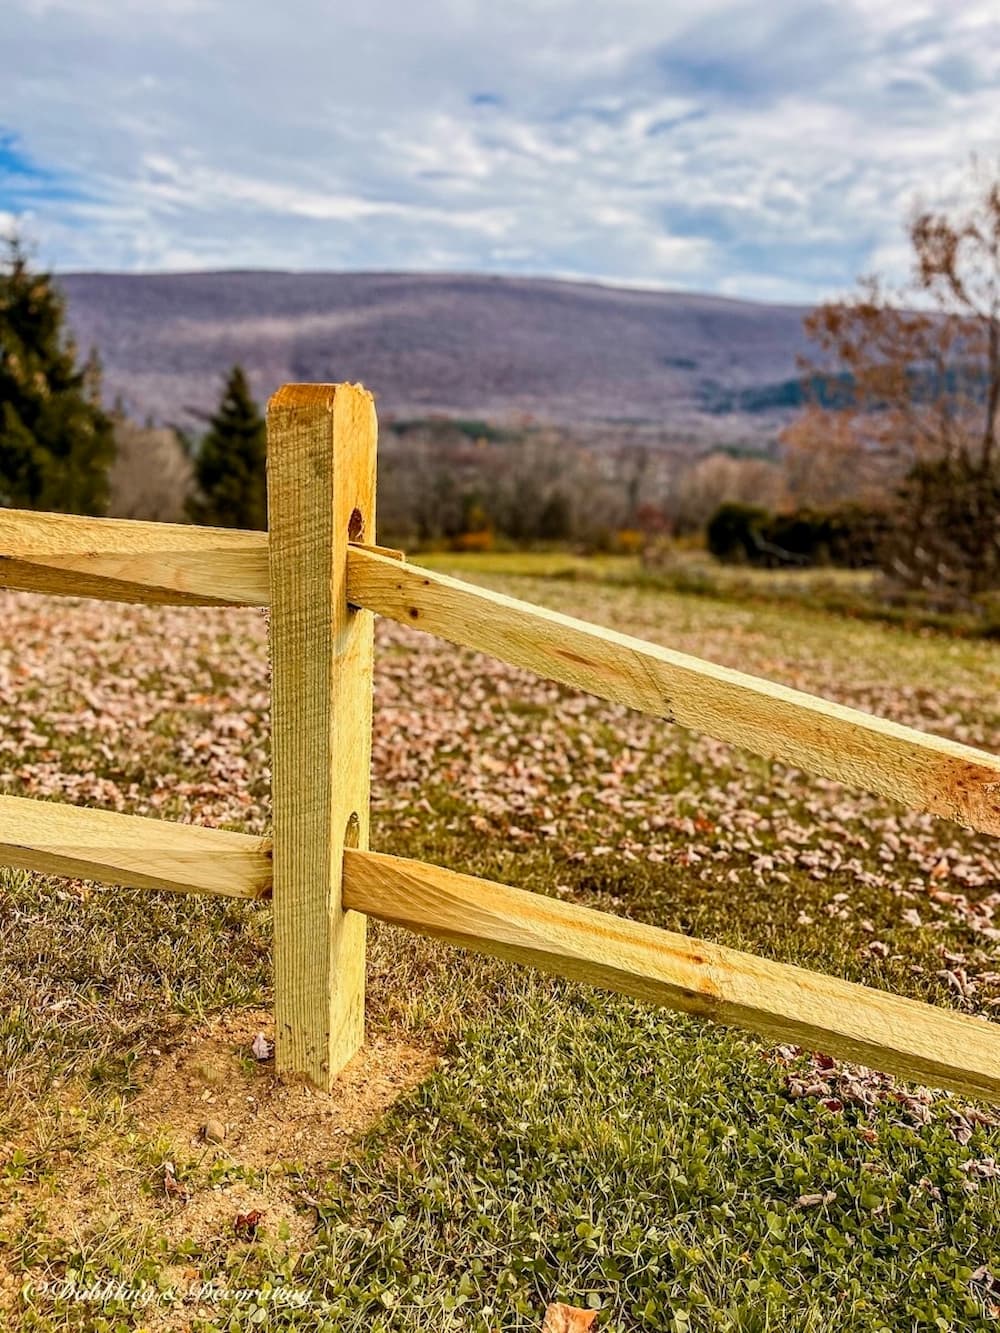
(321, 494)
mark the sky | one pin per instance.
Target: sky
(770, 150)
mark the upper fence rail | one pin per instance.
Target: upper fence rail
(174, 564)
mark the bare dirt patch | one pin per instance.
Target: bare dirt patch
(213, 1076)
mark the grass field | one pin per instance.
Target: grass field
(854, 593)
(546, 1142)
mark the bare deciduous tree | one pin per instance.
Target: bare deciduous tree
(907, 394)
(718, 479)
(152, 476)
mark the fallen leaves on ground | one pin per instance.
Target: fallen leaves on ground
(568, 1319)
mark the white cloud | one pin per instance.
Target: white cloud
(748, 149)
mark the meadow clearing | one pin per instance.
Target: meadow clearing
(506, 1139)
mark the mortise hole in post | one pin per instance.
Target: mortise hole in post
(355, 526)
(352, 833)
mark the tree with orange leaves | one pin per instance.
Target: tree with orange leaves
(905, 400)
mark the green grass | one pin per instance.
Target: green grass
(551, 564)
(843, 592)
(649, 1168)
(571, 1145)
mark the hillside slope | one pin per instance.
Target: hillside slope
(564, 352)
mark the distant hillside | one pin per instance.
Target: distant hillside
(499, 348)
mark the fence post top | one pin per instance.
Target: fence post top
(291, 396)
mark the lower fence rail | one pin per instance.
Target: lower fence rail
(131, 851)
(899, 1036)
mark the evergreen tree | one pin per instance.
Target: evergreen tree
(230, 463)
(56, 442)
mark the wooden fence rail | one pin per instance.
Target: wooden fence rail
(160, 563)
(785, 1003)
(132, 851)
(321, 573)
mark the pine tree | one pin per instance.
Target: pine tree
(56, 441)
(230, 463)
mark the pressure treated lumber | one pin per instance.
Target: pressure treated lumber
(121, 560)
(321, 494)
(902, 1037)
(161, 563)
(924, 771)
(56, 839)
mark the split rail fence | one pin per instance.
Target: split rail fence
(324, 580)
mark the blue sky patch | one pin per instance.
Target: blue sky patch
(24, 184)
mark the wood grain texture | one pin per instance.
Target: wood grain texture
(924, 771)
(121, 560)
(903, 1037)
(321, 493)
(55, 839)
(389, 552)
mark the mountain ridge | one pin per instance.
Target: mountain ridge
(708, 367)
